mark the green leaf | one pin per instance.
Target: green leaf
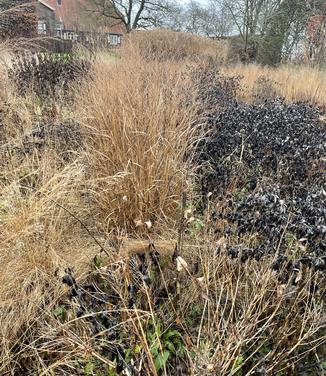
(111, 372)
(151, 337)
(237, 365)
(199, 224)
(159, 329)
(171, 333)
(239, 360)
(137, 349)
(59, 311)
(323, 364)
(170, 346)
(154, 351)
(265, 349)
(89, 368)
(97, 262)
(181, 352)
(161, 360)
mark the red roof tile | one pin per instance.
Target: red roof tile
(80, 15)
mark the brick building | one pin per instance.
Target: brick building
(73, 20)
(76, 20)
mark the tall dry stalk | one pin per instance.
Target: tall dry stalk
(300, 83)
(138, 119)
(170, 46)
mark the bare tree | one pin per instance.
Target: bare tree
(244, 14)
(218, 22)
(132, 13)
(210, 19)
(175, 17)
(219, 18)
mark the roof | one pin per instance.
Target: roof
(79, 15)
(46, 4)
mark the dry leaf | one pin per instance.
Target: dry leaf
(187, 213)
(220, 245)
(299, 276)
(291, 291)
(188, 340)
(148, 224)
(181, 264)
(281, 290)
(138, 223)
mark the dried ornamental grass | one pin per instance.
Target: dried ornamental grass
(138, 120)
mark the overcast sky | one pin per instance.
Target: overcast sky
(197, 1)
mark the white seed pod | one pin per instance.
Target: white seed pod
(181, 264)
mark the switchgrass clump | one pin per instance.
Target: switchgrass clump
(37, 237)
(294, 83)
(138, 119)
(170, 46)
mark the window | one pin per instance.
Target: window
(58, 29)
(59, 26)
(58, 2)
(41, 27)
(113, 39)
(70, 35)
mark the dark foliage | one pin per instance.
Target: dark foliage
(268, 160)
(7, 4)
(90, 300)
(285, 143)
(64, 137)
(48, 75)
(238, 51)
(264, 89)
(100, 301)
(215, 91)
(280, 222)
(17, 20)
